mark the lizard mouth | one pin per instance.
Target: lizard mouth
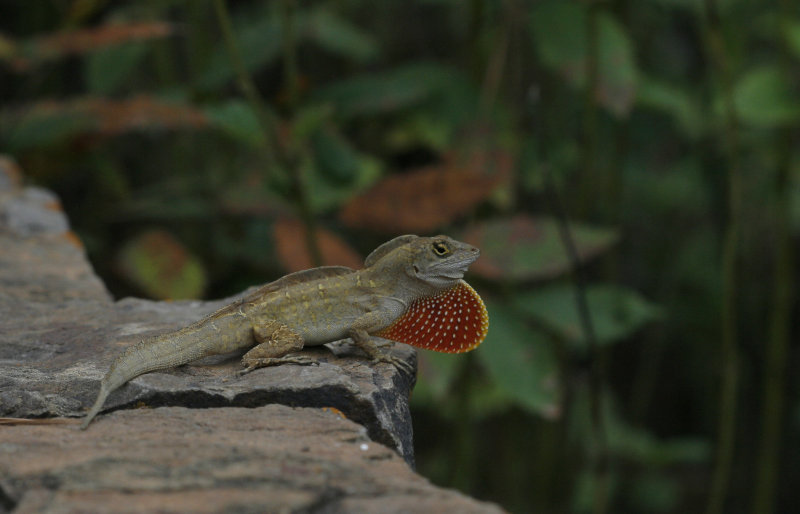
(455, 269)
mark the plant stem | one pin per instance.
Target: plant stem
(777, 343)
(599, 454)
(463, 471)
(290, 75)
(726, 427)
(246, 84)
(493, 74)
(599, 457)
(587, 176)
(296, 175)
(780, 324)
(276, 155)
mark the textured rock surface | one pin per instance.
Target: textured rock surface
(59, 331)
(173, 459)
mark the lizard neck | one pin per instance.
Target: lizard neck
(392, 280)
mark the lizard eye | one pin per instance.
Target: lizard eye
(440, 248)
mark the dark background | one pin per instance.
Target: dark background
(201, 147)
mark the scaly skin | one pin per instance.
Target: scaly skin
(310, 308)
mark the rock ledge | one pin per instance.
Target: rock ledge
(312, 438)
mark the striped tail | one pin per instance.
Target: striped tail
(206, 337)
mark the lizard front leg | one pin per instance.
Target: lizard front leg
(359, 333)
(276, 341)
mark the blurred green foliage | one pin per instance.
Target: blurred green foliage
(665, 129)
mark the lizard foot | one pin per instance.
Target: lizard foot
(254, 363)
(369, 347)
(394, 361)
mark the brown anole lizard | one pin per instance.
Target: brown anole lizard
(410, 290)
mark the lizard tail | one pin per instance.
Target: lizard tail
(148, 355)
(170, 350)
(98, 404)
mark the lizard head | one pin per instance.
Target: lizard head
(440, 261)
(445, 314)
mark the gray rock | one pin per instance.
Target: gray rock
(173, 459)
(36, 211)
(60, 331)
(195, 448)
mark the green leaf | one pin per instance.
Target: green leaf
(674, 101)
(161, 266)
(631, 443)
(325, 193)
(259, 37)
(585, 490)
(421, 129)
(693, 5)
(334, 156)
(521, 361)
(791, 34)
(440, 373)
(559, 32)
(339, 36)
(765, 98)
(42, 127)
(379, 93)
(652, 492)
(616, 68)
(616, 312)
(676, 192)
(560, 36)
(626, 443)
(108, 68)
(436, 373)
(8, 48)
(236, 119)
(523, 248)
(309, 119)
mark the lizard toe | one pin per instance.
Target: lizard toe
(254, 363)
(394, 361)
(300, 360)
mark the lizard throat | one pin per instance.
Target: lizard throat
(453, 321)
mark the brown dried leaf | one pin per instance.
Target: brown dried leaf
(34, 123)
(75, 42)
(290, 242)
(114, 117)
(427, 198)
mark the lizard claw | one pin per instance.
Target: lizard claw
(245, 371)
(397, 362)
(255, 363)
(300, 360)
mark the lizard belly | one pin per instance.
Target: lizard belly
(320, 328)
(325, 311)
(318, 323)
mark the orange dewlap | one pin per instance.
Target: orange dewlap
(454, 321)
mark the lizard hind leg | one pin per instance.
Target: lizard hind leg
(276, 341)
